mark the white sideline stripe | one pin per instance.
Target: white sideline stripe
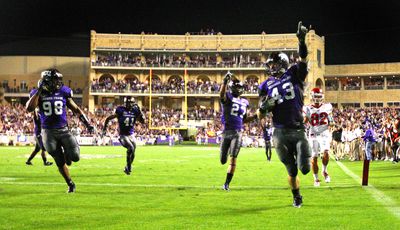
(168, 185)
(378, 195)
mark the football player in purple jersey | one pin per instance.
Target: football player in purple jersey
(127, 116)
(53, 98)
(234, 114)
(282, 94)
(39, 142)
(267, 133)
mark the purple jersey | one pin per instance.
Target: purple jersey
(233, 112)
(37, 125)
(267, 133)
(369, 136)
(126, 119)
(52, 108)
(288, 94)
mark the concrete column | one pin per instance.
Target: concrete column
(183, 106)
(90, 104)
(217, 106)
(385, 82)
(362, 83)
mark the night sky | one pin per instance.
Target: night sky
(355, 32)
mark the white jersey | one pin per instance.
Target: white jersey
(318, 117)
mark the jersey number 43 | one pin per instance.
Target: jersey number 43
(289, 92)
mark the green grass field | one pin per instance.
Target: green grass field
(179, 188)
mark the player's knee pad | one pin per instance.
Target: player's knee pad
(305, 168)
(223, 158)
(60, 161)
(292, 171)
(73, 154)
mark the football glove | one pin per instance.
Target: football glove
(85, 121)
(42, 85)
(227, 77)
(136, 107)
(90, 128)
(301, 32)
(267, 104)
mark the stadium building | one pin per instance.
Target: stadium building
(185, 71)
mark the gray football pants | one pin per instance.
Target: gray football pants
(60, 143)
(293, 150)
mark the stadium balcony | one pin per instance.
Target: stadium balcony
(194, 88)
(362, 83)
(393, 86)
(214, 66)
(21, 95)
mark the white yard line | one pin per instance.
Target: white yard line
(10, 182)
(378, 195)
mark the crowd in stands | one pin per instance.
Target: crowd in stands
(347, 133)
(351, 84)
(174, 86)
(15, 120)
(331, 85)
(369, 83)
(351, 124)
(177, 61)
(374, 83)
(393, 82)
(252, 131)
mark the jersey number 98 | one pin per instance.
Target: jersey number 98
(48, 110)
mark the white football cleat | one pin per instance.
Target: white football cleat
(317, 183)
(327, 178)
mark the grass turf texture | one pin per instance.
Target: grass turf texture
(180, 188)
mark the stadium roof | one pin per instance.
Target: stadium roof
(355, 32)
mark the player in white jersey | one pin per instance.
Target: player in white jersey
(318, 115)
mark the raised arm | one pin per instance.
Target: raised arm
(303, 52)
(33, 101)
(222, 91)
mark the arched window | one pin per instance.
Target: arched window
(319, 83)
(131, 78)
(106, 78)
(252, 78)
(153, 78)
(174, 78)
(203, 78)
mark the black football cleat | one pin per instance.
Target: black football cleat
(127, 171)
(28, 163)
(297, 201)
(48, 163)
(71, 187)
